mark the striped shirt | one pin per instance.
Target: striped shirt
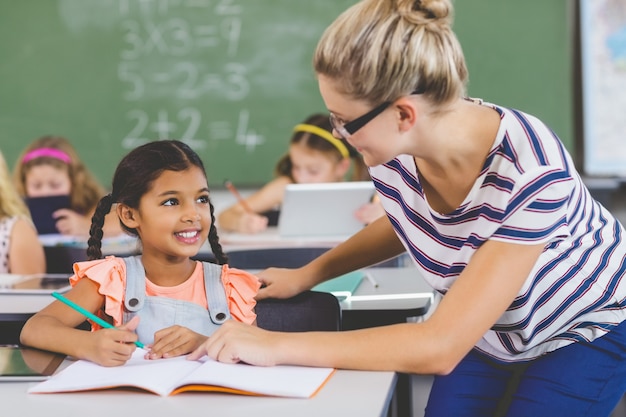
(528, 192)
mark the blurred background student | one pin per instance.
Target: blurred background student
(314, 156)
(20, 249)
(50, 166)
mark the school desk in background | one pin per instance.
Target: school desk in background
(41, 209)
(24, 364)
(34, 283)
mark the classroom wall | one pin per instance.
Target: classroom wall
(232, 77)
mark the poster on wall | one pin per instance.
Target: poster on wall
(603, 52)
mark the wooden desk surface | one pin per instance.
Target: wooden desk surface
(347, 393)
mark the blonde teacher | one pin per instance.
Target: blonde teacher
(488, 203)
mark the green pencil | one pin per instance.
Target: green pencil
(89, 315)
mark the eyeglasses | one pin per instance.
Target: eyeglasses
(350, 128)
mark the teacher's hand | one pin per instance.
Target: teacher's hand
(281, 283)
(237, 342)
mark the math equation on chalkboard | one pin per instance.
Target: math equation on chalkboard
(168, 30)
(229, 77)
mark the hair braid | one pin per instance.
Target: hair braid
(94, 249)
(214, 240)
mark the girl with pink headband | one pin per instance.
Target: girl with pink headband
(50, 166)
(49, 153)
(314, 156)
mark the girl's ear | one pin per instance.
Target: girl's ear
(127, 215)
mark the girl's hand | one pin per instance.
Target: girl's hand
(252, 223)
(369, 212)
(238, 342)
(69, 222)
(174, 341)
(113, 347)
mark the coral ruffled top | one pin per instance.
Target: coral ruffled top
(110, 274)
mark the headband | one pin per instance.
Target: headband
(47, 152)
(325, 134)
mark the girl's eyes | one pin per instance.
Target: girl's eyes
(174, 201)
(170, 202)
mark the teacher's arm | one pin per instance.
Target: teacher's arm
(375, 243)
(475, 301)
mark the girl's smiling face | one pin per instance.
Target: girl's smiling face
(47, 180)
(174, 216)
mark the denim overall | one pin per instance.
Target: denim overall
(160, 312)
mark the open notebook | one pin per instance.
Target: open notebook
(172, 376)
(323, 210)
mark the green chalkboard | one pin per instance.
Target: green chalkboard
(520, 54)
(230, 77)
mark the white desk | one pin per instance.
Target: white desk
(271, 238)
(399, 289)
(400, 295)
(119, 244)
(347, 393)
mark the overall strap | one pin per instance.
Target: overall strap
(215, 293)
(135, 283)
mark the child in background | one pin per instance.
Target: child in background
(50, 166)
(314, 156)
(162, 197)
(20, 249)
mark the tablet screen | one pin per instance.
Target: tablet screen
(18, 363)
(323, 210)
(41, 209)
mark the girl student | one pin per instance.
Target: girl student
(162, 298)
(487, 202)
(20, 249)
(314, 156)
(50, 166)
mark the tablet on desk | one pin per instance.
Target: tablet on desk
(19, 363)
(323, 210)
(41, 209)
(34, 284)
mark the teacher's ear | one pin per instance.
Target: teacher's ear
(407, 113)
(127, 215)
